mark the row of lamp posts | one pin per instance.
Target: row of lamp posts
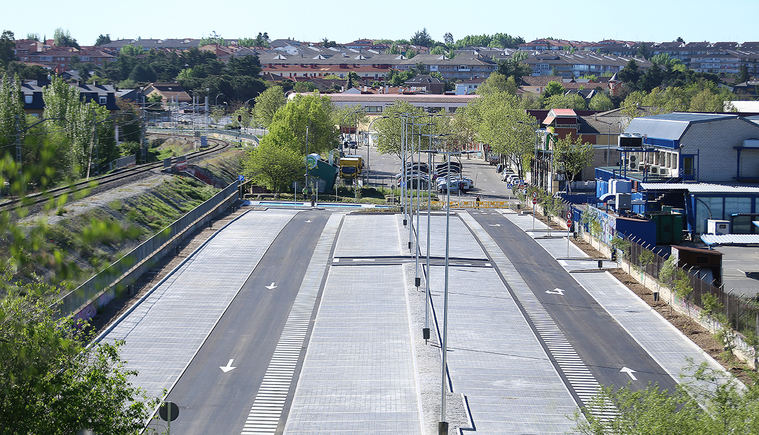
(407, 207)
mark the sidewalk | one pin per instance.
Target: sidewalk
(359, 373)
(495, 359)
(665, 343)
(198, 290)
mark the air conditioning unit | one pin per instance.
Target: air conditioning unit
(623, 201)
(717, 226)
(653, 169)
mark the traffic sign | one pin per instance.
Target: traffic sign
(534, 195)
(169, 411)
(569, 214)
(534, 201)
(241, 178)
(569, 223)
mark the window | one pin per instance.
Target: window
(707, 208)
(373, 109)
(28, 99)
(688, 167)
(103, 100)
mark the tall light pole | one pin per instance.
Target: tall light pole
(430, 153)
(443, 424)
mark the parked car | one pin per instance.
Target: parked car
(444, 165)
(506, 174)
(456, 183)
(418, 167)
(442, 186)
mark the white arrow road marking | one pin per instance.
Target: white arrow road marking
(271, 286)
(308, 221)
(629, 372)
(495, 225)
(227, 367)
(556, 291)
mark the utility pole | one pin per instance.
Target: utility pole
(18, 143)
(92, 142)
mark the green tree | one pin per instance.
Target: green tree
(245, 116)
(213, 39)
(52, 381)
(290, 123)
(348, 116)
(7, 48)
(326, 43)
(572, 156)
(646, 257)
(62, 38)
(274, 166)
(390, 128)
(154, 98)
(103, 39)
(707, 101)
(244, 66)
(553, 88)
(601, 102)
(569, 101)
(497, 82)
(448, 39)
(630, 73)
(302, 87)
(12, 117)
(501, 122)
(708, 403)
(422, 38)
(515, 66)
(439, 50)
(743, 75)
(267, 104)
(354, 80)
(142, 73)
(216, 114)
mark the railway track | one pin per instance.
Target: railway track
(105, 182)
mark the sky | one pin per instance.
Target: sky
(587, 20)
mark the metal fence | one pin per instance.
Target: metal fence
(128, 268)
(741, 312)
(249, 133)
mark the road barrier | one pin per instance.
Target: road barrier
(84, 301)
(473, 204)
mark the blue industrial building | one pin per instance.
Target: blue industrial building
(705, 166)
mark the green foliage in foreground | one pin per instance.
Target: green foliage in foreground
(52, 383)
(728, 408)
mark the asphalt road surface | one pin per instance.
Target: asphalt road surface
(212, 401)
(598, 339)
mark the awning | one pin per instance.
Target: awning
(730, 239)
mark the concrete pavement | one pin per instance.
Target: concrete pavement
(522, 355)
(659, 339)
(163, 332)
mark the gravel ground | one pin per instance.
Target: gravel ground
(428, 360)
